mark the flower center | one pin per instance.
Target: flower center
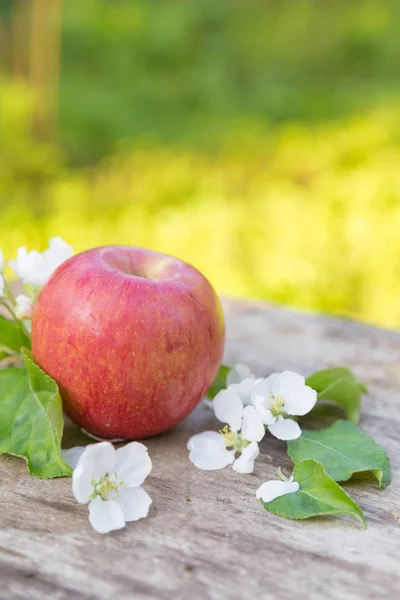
(233, 440)
(106, 486)
(277, 406)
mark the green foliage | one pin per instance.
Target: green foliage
(339, 385)
(319, 495)
(343, 450)
(187, 71)
(266, 145)
(13, 335)
(31, 423)
(243, 217)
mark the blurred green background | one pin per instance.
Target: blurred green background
(257, 139)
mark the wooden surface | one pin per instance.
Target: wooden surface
(206, 536)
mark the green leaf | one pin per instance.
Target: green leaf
(13, 335)
(339, 385)
(343, 450)
(318, 495)
(219, 382)
(31, 424)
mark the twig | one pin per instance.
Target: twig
(14, 360)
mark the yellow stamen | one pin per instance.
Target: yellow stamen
(277, 407)
(233, 440)
(105, 486)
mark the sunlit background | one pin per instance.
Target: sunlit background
(257, 139)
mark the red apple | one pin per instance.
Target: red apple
(133, 338)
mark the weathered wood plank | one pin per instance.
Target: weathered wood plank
(207, 537)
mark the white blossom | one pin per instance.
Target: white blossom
(248, 406)
(229, 409)
(270, 490)
(24, 306)
(212, 450)
(2, 262)
(2, 285)
(239, 381)
(30, 267)
(109, 481)
(208, 451)
(280, 395)
(238, 373)
(58, 252)
(35, 268)
(243, 390)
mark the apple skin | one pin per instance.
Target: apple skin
(134, 339)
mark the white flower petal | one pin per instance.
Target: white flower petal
(30, 267)
(81, 485)
(238, 373)
(58, 252)
(15, 265)
(245, 463)
(253, 429)
(57, 244)
(266, 415)
(208, 451)
(105, 516)
(270, 490)
(285, 382)
(202, 440)
(95, 461)
(211, 459)
(243, 390)
(285, 429)
(299, 401)
(35, 268)
(24, 306)
(2, 285)
(98, 459)
(133, 464)
(272, 379)
(262, 388)
(2, 261)
(228, 409)
(134, 502)
(72, 455)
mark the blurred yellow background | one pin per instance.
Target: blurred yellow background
(258, 140)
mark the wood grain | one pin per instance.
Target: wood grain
(206, 536)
